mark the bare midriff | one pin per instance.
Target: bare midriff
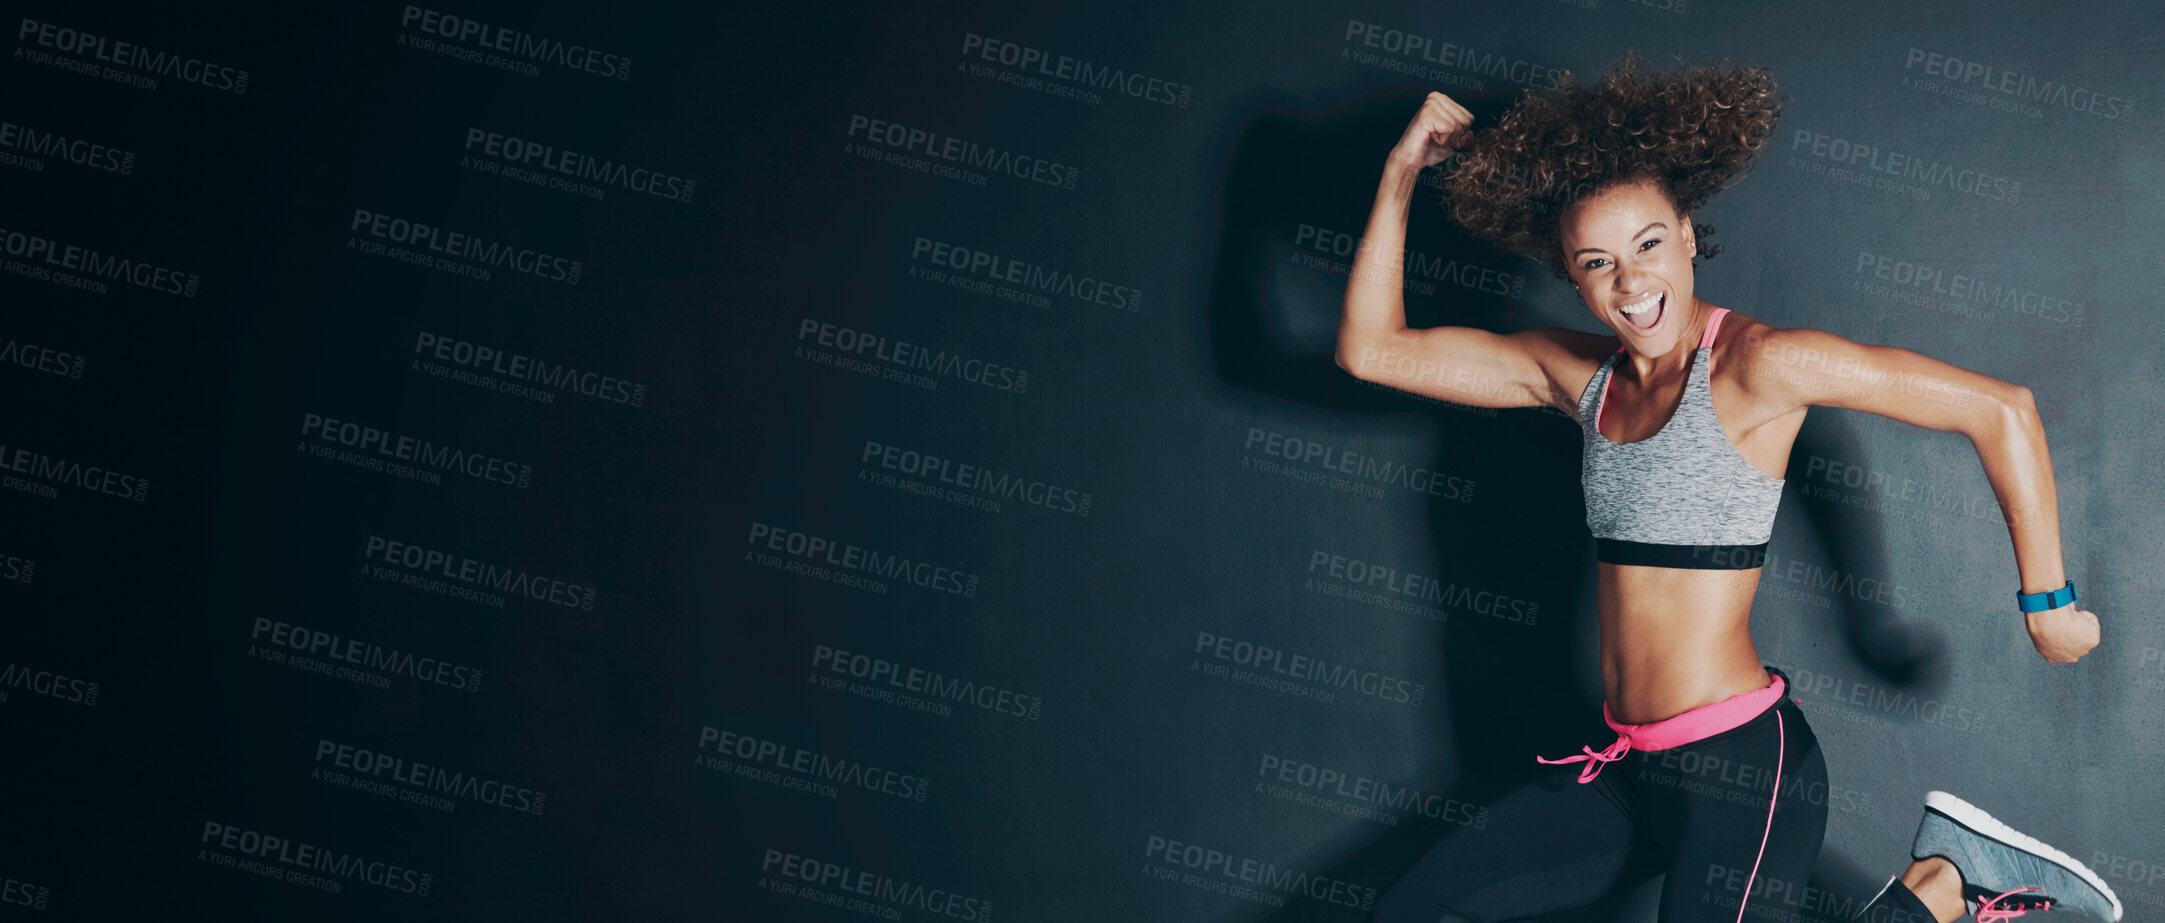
(1673, 639)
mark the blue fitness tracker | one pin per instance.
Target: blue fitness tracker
(2050, 599)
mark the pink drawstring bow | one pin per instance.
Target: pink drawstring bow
(1594, 759)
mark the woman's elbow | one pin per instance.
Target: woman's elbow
(2021, 403)
(2010, 409)
(1347, 356)
(1357, 354)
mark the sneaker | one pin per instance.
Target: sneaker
(2004, 869)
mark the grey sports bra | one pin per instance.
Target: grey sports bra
(1683, 497)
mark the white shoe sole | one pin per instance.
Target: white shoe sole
(1970, 816)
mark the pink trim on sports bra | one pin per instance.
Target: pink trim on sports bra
(1706, 339)
(1697, 724)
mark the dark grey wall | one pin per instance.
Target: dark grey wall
(1004, 684)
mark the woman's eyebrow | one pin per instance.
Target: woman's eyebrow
(1655, 224)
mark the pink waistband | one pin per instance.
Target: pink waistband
(1697, 724)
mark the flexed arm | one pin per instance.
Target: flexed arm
(1463, 365)
(1802, 366)
(1375, 307)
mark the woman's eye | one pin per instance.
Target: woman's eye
(1649, 243)
(1589, 265)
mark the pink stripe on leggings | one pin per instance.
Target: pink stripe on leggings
(1782, 744)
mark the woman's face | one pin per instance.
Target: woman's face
(1626, 247)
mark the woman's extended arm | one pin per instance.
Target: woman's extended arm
(1806, 366)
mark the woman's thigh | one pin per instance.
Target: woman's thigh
(1708, 803)
(1550, 845)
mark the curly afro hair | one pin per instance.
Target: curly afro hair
(1693, 132)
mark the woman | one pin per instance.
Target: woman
(1719, 768)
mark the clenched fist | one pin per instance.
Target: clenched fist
(1437, 130)
(2063, 635)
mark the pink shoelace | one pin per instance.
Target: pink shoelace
(1989, 911)
(1595, 759)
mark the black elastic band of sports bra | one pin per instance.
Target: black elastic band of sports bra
(1702, 557)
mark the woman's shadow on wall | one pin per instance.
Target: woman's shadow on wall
(1510, 690)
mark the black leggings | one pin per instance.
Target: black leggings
(1697, 812)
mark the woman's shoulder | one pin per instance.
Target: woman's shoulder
(1740, 335)
(1758, 355)
(1570, 358)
